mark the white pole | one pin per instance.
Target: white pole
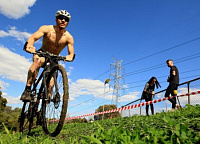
(105, 82)
(103, 101)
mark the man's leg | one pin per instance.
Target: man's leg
(169, 91)
(32, 74)
(50, 88)
(173, 101)
(175, 94)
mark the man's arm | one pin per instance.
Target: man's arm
(31, 40)
(70, 45)
(173, 72)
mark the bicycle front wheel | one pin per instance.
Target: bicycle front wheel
(54, 108)
(26, 118)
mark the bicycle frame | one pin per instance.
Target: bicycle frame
(43, 90)
(49, 65)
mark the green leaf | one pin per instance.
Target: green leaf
(172, 123)
(166, 119)
(91, 139)
(178, 127)
(6, 129)
(183, 135)
(96, 123)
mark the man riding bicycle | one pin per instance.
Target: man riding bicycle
(55, 39)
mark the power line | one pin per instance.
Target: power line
(162, 82)
(184, 43)
(167, 29)
(162, 65)
(164, 76)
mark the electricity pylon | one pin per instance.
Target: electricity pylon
(118, 86)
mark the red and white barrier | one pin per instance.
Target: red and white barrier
(133, 106)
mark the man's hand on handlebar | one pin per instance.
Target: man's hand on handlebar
(69, 58)
(30, 49)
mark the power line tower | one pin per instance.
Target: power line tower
(118, 86)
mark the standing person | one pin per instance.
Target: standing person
(55, 39)
(173, 80)
(148, 92)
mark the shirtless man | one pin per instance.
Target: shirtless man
(55, 39)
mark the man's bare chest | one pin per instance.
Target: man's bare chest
(54, 43)
(57, 38)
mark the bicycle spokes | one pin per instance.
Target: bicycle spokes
(54, 111)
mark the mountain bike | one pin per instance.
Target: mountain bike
(49, 98)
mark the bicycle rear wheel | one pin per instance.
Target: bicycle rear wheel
(26, 118)
(54, 110)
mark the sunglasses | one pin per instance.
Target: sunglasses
(63, 17)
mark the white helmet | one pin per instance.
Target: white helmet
(63, 13)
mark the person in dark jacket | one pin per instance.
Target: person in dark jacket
(173, 80)
(148, 93)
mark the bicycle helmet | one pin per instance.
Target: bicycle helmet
(63, 13)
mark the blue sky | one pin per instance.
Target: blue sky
(144, 34)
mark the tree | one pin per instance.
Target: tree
(3, 102)
(10, 118)
(108, 115)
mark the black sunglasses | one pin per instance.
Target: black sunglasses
(63, 17)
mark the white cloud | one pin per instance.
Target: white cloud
(13, 66)
(130, 97)
(193, 98)
(86, 87)
(69, 71)
(3, 33)
(12, 100)
(15, 9)
(13, 32)
(3, 85)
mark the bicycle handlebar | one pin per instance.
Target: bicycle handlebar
(47, 54)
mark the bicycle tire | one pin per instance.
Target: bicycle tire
(54, 112)
(26, 119)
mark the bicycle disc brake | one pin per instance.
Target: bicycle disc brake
(56, 100)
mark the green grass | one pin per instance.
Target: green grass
(170, 128)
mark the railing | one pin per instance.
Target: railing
(186, 87)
